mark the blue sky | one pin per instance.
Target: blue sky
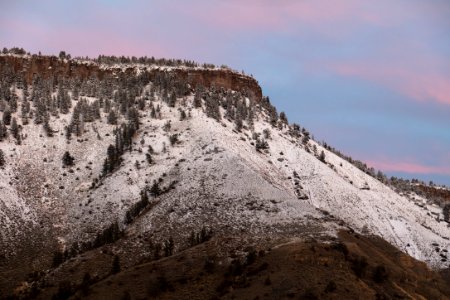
(371, 78)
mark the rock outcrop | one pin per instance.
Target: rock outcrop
(52, 66)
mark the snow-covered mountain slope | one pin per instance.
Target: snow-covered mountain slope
(211, 174)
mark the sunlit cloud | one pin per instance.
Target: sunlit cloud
(408, 167)
(431, 86)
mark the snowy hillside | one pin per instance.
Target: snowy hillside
(221, 158)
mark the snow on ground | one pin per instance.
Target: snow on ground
(220, 180)
(347, 193)
(378, 209)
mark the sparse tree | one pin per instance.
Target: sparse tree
(15, 130)
(48, 129)
(197, 99)
(112, 117)
(172, 99)
(150, 149)
(2, 158)
(62, 54)
(155, 190)
(283, 118)
(13, 102)
(266, 133)
(3, 131)
(322, 156)
(149, 158)
(68, 160)
(261, 144)
(212, 107)
(173, 139)
(239, 124)
(305, 139)
(63, 99)
(167, 126)
(153, 112)
(182, 115)
(7, 117)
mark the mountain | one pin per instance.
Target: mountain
(116, 165)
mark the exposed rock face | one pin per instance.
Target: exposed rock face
(51, 66)
(222, 78)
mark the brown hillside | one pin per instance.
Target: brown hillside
(354, 267)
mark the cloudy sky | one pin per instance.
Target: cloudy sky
(371, 78)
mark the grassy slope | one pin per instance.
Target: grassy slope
(354, 267)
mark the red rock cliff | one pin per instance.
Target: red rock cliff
(51, 66)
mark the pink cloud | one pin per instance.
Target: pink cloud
(411, 80)
(328, 18)
(409, 167)
(79, 41)
(280, 15)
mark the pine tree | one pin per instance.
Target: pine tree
(63, 99)
(141, 104)
(172, 99)
(239, 124)
(13, 103)
(133, 117)
(67, 159)
(155, 190)
(153, 113)
(212, 107)
(182, 115)
(76, 123)
(112, 117)
(149, 158)
(41, 111)
(106, 167)
(68, 133)
(107, 106)
(165, 96)
(76, 92)
(173, 139)
(2, 158)
(3, 131)
(53, 107)
(48, 129)
(15, 130)
(283, 118)
(144, 198)
(7, 117)
(261, 144)
(95, 110)
(112, 157)
(305, 139)
(322, 156)
(198, 98)
(166, 127)
(25, 109)
(266, 133)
